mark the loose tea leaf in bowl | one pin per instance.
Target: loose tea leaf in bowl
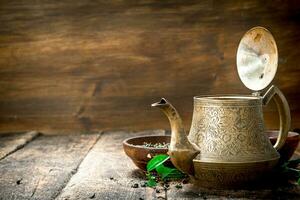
(141, 149)
(156, 145)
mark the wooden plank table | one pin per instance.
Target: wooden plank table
(93, 166)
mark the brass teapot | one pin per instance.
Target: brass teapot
(227, 146)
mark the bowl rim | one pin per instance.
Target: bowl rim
(126, 143)
(291, 134)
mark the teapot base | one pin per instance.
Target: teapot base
(233, 175)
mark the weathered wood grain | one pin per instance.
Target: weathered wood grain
(43, 167)
(79, 66)
(191, 192)
(92, 167)
(11, 142)
(107, 173)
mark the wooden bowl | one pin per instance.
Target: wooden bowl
(290, 145)
(139, 154)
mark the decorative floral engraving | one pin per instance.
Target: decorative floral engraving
(230, 133)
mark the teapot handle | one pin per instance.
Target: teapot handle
(284, 113)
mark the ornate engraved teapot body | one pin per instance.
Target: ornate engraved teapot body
(227, 145)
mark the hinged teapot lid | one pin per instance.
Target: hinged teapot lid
(257, 58)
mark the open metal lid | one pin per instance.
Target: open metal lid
(257, 58)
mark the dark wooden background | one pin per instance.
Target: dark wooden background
(76, 66)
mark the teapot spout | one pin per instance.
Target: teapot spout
(181, 150)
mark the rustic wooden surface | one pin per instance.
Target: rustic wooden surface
(10, 143)
(76, 66)
(106, 172)
(95, 167)
(43, 167)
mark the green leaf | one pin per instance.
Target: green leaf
(293, 163)
(166, 172)
(287, 170)
(151, 180)
(293, 172)
(156, 161)
(151, 183)
(175, 174)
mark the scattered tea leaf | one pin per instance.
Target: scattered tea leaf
(144, 184)
(92, 196)
(135, 185)
(19, 181)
